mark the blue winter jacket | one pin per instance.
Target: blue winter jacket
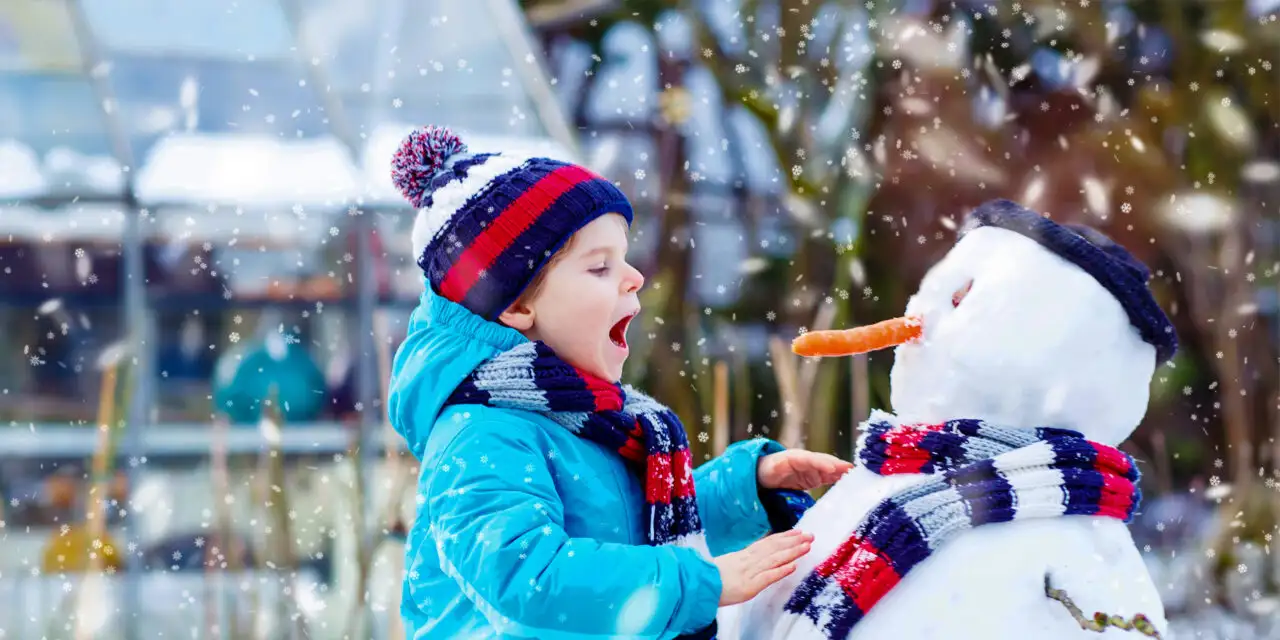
(526, 530)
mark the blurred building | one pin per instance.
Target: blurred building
(197, 186)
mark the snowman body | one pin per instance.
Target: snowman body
(1014, 335)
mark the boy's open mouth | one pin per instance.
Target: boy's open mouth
(618, 334)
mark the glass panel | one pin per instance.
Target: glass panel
(222, 555)
(240, 30)
(412, 62)
(38, 35)
(268, 289)
(204, 66)
(60, 293)
(159, 96)
(53, 136)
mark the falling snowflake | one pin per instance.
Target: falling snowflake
(177, 555)
(234, 337)
(703, 436)
(771, 316)
(200, 542)
(675, 346)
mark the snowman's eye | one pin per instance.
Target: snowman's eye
(960, 293)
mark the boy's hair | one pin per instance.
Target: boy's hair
(540, 278)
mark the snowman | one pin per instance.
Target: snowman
(994, 503)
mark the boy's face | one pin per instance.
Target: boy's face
(587, 300)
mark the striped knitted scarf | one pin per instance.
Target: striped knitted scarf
(648, 435)
(977, 474)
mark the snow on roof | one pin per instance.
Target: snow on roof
(246, 169)
(221, 187)
(265, 171)
(77, 222)
(63, 170)
(20, 175)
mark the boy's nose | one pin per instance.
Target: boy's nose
(635, 282)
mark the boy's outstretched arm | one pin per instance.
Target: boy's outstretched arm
(497, 521)
(728, 496)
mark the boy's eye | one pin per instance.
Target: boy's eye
(600, 270)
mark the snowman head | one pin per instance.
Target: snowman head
(1029, 323)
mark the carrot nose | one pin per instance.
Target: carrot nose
(848, 342)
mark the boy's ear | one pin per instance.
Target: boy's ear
(518, 316)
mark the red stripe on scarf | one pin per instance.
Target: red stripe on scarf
(1117, 497)
(862, 572)
(903, 449)
(634, 448)
(1112, 459)
(657, 484)
(608, 395)
(682, 469)
(513, 221)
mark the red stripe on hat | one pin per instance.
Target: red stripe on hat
(682, 469)
(657, 486)
(518, 216)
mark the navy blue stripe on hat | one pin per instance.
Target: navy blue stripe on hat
(1110, 264)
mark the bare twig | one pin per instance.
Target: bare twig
(1100, 621)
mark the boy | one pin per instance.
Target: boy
(553, 502)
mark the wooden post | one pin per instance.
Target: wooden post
(720, 416)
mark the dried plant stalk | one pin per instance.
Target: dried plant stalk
(720, 416)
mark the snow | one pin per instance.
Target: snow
(20, 175)
(78, 222)
(23, 174)
(247, 169)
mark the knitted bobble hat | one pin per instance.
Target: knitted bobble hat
(488, 222)
(1110, 264)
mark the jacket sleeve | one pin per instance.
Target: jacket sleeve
(728, 500)
(497, 523)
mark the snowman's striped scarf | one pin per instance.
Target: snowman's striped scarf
(978, 474)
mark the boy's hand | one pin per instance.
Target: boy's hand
(799, 469)
(746, 573)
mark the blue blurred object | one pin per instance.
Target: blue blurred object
(243, 380)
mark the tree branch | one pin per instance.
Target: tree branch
(1100, 621)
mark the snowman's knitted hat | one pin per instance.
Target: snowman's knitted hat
(488, 222)
(1109, 263)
